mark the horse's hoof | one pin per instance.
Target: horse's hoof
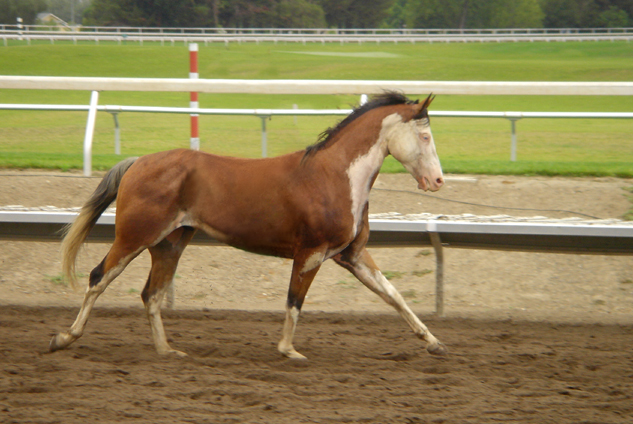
(177, 353)
(58, 342)
(293, 354)
(437, 349)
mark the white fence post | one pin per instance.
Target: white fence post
(264, 136)
(117, 134)
(513, 142)
(90, 129)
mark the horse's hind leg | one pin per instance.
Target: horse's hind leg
(165, 256)
(101, 276)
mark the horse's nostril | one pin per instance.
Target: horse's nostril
(440, 181)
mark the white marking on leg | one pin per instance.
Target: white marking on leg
(171, 295)
(63, 340)
(315, 260)
(285, 345)
(376, 282)
(156, 324)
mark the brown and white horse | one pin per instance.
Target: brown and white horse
(309, 206)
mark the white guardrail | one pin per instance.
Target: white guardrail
(604, 237)
(185, 39)
(304, 35)
(308, 31)
(241, 86)
(265, 114)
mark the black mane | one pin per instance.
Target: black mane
(388, 98)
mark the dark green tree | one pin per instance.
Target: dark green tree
(396, 15)
(569, 13)
(514, 14)
(474, 14)
(10, 10)
(149, 13)
(355, 13)
(298, 14)
(587, 13)
(613, 17)
(247, 13)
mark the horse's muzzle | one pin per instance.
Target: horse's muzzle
(433, 185)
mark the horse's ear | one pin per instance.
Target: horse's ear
(428, 101)
(421, 109)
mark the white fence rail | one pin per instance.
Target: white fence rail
(315, 31)
(241, 86)
(304, 39)
(265, 114)
(304, 35)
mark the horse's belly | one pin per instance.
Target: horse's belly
(257, 238)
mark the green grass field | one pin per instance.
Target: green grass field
(547, 147)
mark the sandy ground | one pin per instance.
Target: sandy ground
(362, 368)
(533, 337)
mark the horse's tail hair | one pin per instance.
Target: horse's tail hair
(75, 234)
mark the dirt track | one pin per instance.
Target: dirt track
(360, 369)
(533, 337)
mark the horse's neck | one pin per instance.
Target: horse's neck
(357, 154)
(364, 152)
(357, 161)
(362, 173)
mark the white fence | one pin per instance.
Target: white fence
(265, 114)
(305, 87)
(304, 35)
(304, 39)
(316, 31)
(241, 86)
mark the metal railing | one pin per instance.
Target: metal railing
(265, 114)
(317, 31)
(304, 35)
(551, 237)
(289, 86)
(309, 87)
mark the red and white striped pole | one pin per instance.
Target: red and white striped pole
(193, 74)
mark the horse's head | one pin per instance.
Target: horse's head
(410, 141)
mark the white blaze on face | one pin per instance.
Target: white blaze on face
(411, 143)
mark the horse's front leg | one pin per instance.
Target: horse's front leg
(363, 267)
(304, 269)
